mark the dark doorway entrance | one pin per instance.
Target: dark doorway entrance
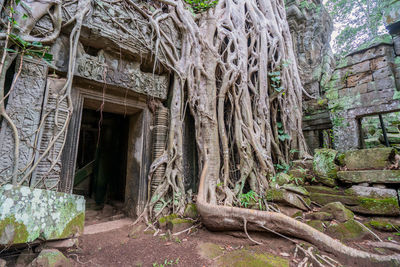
(102, 160)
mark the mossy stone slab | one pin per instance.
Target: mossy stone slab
(370, 176)
(372, 158)
(27, 214)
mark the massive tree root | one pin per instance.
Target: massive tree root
(236, 71)
(223, 218)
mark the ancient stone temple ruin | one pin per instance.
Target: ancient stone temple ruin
(89, 125)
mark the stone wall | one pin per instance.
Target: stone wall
(365, 83)
(311, 28)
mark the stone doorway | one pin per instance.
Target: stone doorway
(101, 163)
(108, 164)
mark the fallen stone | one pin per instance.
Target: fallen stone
(38, 213)
(287, 198)
(321, 216)
(25, 258)
(163, 221)
(3, 263)
(381, 225)
(324, 166)
(62, 244)
(304, 174)
(191, 211)
(317, 224)
(338, 211)
(177, 225)
(304, 164)
(348, 231)
(369, 200)
(384, 223)
(283, 178)
(370, 176)
(372, 158)
(50, 258)
(296, 189)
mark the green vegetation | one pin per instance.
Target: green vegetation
(359, 23)
(199, 6)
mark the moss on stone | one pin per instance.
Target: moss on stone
(379, 206)
(247, 258)
(317, 224)
(338, 211)
(180, 221)
(347, 231)
(274, 194)
(381, 225)
(191, 211)
(21, 234)
(164, 220)
(324, 166)
(75, 226)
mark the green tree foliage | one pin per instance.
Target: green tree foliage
(358, 22)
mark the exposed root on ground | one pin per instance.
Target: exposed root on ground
(224, 218)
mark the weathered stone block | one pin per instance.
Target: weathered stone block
(359, 68)
(317, 224)
(50, 258)
(27, 214)
(373, 202)
(287, 198)
(382, 73)
(373, 158)
(322, 216)
(324, 166)
(358, 79)
(348, 231)
(191, 211)
(338, 211)
(370, 176)
(379, 63)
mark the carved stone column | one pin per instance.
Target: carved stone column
(24, 108)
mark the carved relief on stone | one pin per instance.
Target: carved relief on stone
(126, 74)
(24, 108)
(47, 173)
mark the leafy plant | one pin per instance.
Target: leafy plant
(245, 199)
(199, 6)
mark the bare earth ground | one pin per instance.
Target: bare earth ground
(131, 246)
(116, 248)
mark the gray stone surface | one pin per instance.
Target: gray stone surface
(27, 214)
(370, 176)
(374, 158)
(24, 108)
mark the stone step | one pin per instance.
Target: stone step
(371, 158)
(370, 176)
(106, 226)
